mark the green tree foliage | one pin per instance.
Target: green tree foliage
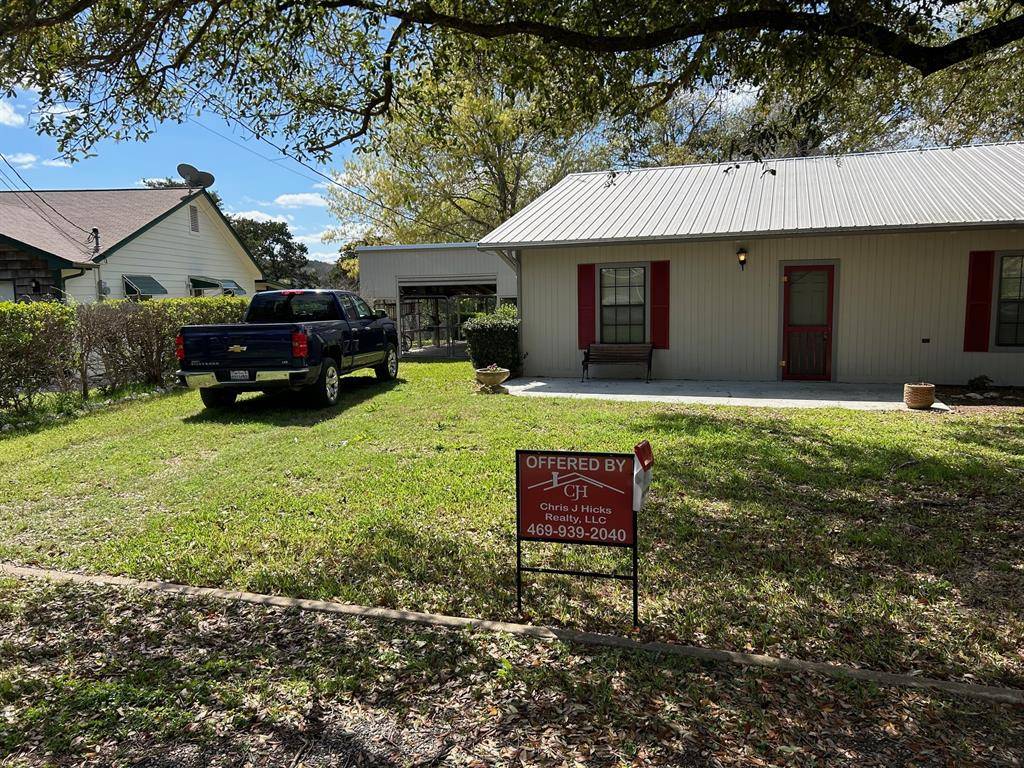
(458, 161)
(279, 256)
(169, 183)
(319, 74)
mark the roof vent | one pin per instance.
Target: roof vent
(193, 218)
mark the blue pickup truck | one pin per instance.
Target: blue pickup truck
(302, 340)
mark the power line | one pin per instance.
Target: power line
(273, 162)
(20, 193)
(352, 191)
(44, 201)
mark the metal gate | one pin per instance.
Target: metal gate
(431, 326)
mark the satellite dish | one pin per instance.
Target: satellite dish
(188, 172)
(194, 177)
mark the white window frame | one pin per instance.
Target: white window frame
(997, 276)
(646, 265)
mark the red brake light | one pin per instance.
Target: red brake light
(179, 347)
(300, 344)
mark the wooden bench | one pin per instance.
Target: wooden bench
(634, 354)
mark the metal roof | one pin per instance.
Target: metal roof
(921, 188)
(413, 247)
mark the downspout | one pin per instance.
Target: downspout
(64, 282)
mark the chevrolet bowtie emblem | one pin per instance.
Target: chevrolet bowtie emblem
(237, 348)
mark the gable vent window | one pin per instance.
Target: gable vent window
(193, 218)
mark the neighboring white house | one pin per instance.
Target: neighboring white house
(160, 243)
(875, 267)
(431, 288)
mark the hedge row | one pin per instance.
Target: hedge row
(494, 339)
(47, 345)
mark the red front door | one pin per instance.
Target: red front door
(807, 322)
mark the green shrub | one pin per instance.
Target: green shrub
(494, 338)
(36, 350)
(54, 346)
(133, 342)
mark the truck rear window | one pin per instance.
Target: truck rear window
(292, 308)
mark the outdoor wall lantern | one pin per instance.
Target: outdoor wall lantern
(741, 257)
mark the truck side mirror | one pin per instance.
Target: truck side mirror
(381, 312)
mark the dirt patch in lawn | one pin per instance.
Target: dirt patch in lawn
(111, 676)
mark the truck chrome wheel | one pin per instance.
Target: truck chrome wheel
(387, 370)
(331, 384)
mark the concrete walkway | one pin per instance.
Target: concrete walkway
(764, 394)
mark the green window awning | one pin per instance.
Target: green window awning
(232, 286)
(203, 283)
(143, 285)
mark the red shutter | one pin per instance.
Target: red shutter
(979, 301)
(586, 296)
(659, 304)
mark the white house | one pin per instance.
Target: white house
(875, 267)
(84, 245)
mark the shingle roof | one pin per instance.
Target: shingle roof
(922, 188)
(117, 213)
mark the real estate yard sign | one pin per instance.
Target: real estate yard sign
(580, 498)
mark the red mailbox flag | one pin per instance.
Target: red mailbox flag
(644, 454)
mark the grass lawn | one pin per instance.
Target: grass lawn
(889, 540)
(92, 676)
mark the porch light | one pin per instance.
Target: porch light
(741, 257)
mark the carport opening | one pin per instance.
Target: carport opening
(430, 317)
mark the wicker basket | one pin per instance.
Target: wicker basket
(919, 396)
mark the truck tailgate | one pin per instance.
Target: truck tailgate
(238, 346)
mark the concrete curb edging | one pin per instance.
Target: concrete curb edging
(985, 692)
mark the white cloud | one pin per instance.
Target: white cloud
(8, 115)
(300, 199)
(261, 217)
(312, 239)
(57, 162)
(21, 160)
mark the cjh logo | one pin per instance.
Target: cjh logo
(575, 485)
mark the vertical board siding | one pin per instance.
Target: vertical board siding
(891, 292)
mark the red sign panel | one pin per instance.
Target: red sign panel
(581, 498)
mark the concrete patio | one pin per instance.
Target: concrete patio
(763, 394)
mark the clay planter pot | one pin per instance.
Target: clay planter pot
(919, 396)
(491, 378)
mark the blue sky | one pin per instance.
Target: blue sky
(274, 187)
